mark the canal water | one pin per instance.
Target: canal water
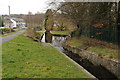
(98, 71)
(54, 40)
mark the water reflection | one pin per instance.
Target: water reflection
(43, 38)
(48, 37)
(55, 40)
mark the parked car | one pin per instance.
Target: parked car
(23, 28)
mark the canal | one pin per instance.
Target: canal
(98, 71)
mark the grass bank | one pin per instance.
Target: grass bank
(104, 49)
(24, 58)
(40, 32)
(60, 32)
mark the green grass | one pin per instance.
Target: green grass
(75, 43)
(24, 58)
(101, 51)
(109, 53)
(41, 33)
(60, 32)
(8, 34)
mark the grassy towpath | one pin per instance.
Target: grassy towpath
(24, 58)
(60, 32)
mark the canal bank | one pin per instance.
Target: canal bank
(95, 64)
(80, 67)
(98, 71)
(24, 58)
(56, 42)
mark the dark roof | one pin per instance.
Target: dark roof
(18, 19)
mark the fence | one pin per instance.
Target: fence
(103, 34)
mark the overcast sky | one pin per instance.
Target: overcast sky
(22, 6)
(34, 6)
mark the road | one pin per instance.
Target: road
(10, 37)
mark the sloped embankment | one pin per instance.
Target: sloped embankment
(109, 64)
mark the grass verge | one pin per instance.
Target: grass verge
(24, 58)
(60, 32)
(95, 46)
(41, 33)
(11, 33)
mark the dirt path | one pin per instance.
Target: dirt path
(10, 37)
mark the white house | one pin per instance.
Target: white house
(18, 23)
(13, 22)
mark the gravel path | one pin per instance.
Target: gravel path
(10, 37)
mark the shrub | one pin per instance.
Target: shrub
(110, 57)
(99, 54)
(30, 32)
(5, 30)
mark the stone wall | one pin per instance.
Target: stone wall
(110, 64)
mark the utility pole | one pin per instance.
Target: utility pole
(9, 10)
(9, 18)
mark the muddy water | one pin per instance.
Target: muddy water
(55, 40)
(98, 71)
